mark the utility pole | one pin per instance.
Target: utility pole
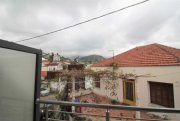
(113, 53)
(113, 63)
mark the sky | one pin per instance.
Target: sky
(156, 21)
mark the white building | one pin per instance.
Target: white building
(56, 58)
(54, 66)
(157, 82)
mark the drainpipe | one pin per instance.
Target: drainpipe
(73, 86)
(138, 114)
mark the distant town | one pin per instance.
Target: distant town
(145, 76)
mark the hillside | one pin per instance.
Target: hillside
(91, 58)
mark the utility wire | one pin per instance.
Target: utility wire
(86, 21)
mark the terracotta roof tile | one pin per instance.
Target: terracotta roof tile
(94, 98)
(148, 55)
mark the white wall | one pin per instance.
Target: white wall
(88, 82)
(44, 68)
(55, 67)
(60, 67)
(61, 85)
(52, 68)
(54, 86)
(106, 92)
(56, 57)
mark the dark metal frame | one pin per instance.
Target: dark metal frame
(22, 48)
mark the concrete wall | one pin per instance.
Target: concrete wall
(54, 86)
(52, 68)
(165, 74)
(44, 68)
(43, 72)
(55, 67)
(105, 92)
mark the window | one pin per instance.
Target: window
(162, 94)
(79, 83)
(97, 82)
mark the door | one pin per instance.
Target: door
(129, 92)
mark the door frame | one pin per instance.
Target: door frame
(126, 101)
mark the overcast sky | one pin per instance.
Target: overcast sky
(156, 21)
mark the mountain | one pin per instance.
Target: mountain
(91, 59)
(64, 58)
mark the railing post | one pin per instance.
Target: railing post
(46, 112)
(107, 115)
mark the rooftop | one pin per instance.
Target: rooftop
(148, 55)
(98, 99)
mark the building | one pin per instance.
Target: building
(53, 69)
(45, 62)
(56, 58)
(157, 80)
(43, 72)
(44, 68)
(54, 66)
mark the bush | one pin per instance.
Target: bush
(114, 101)
(114, 65)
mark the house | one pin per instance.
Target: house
(157, 80)
(56, 58)
(74, 79)
(54, 66)
(45, 61)
(43, 73)
(78, 81)
(53, 69)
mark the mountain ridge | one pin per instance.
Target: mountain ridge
(91, 58)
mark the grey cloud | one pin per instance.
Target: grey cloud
(143, 24)
(152, 21)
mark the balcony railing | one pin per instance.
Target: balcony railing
(108, 107)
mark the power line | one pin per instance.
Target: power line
(86, 21)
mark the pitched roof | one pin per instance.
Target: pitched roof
(148, 55)
(51, 64)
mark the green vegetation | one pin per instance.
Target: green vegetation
(113, 101)
(114, 65)
(91, 59)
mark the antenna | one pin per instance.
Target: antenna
(112, 50)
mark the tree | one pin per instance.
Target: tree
(51, 57)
